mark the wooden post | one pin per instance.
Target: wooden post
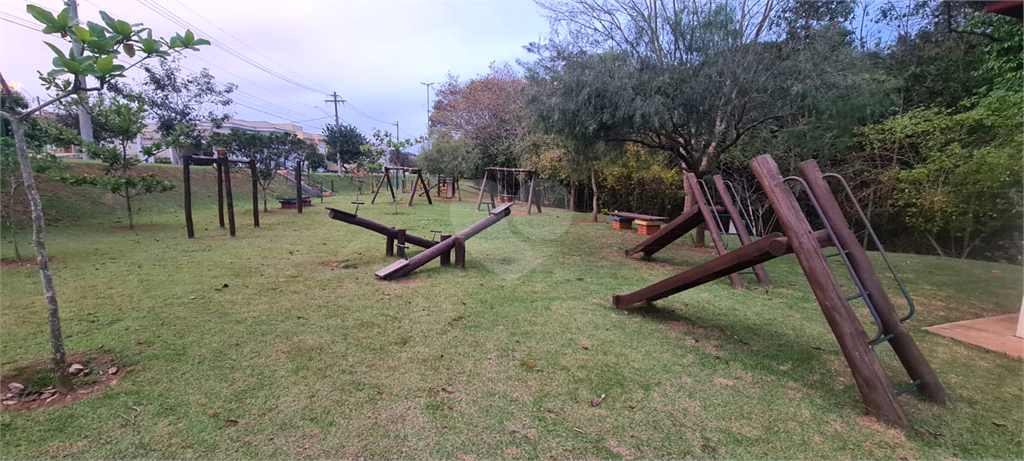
(460, 252)
(741, 227)
(400, 243)
(529, 198)
(446, 257)
(902, 343)
(426, 190)
(390, 250)
(875, 389)
(712, 224)
(227, 189)
(187, 179)
(298, 186)
(220, 193)
(381, 184)
(255, 196)
(483, 185)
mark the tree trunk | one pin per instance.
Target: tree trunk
(60, 369)
(572, 197)
(10, 220)
(935, 244)
(128, 203)
(593, 187)
(688, 202)
(264, 200)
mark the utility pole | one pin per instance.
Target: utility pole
(428, 85)
(84, 119)
(335, 99)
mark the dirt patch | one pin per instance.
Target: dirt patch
(683, 326)
(29, 261)
(101, 371)
(135, 229)
(613, 254)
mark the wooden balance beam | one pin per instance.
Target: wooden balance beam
(401, 268)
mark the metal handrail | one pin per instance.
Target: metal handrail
(846, 260)
(881, 251)
(748, 218)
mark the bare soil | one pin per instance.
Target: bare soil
(101, 372)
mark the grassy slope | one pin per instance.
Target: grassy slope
(315, 358)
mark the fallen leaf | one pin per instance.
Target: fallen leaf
(597, 401)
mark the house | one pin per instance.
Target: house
(170, 155)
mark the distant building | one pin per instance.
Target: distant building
(151, 135)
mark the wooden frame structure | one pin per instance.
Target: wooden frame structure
(391, 187)
(530, 174)
(857, 347)
(222, 165)
(717, 220)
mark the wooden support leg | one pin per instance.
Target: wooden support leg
(709, 220)
(460, 253)
(529, 198)
(400, 243)
(483, 186)
(390, 250)
(741, 227)
(426, 189)
(446, 257)
(875, 389)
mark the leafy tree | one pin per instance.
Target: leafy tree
(124, 119)
(487, 113)
(180, 102)
(100, 45)
(391, 150)
(344, 145)
(449, 156)
(272, 152)
(314, 160)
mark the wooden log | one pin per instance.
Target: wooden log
(186, 177)
(400, 243)
(902, 343)
(460, 252)
(379, 228)
(741, 228)
(874, 386)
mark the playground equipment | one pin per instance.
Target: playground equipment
(221, 164)
(504, 193)
(875, 388)
(394, 236)
(418, 182)
(318, 191)
(443, 249)
(447, 188)
(717, 220)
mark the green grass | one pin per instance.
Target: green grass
(315, 358)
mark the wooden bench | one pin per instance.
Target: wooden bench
(623, 220)
(289, 203)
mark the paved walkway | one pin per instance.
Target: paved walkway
(992, 333)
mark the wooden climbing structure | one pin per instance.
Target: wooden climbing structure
(877, 392)
(419, 181)
(502, 186)
(222, 165)
(717, 219)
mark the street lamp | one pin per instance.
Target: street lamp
(428, 85)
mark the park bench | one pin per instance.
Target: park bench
(289, 203)
(624, 220)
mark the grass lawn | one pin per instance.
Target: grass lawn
(281, 344)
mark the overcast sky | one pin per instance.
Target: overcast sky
(375, 54)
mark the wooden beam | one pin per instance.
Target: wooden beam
(902, 343)
(712, 223)
(875, 390)
(186, 177)
(483, 185)
(741, 227)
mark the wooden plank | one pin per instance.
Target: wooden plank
(379, 228)
(645, 217)
(902, 343)
(741, 228)
(392, 268)
(712, 223)
(875, 390)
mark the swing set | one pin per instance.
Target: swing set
(505, 188)
(417, 183)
